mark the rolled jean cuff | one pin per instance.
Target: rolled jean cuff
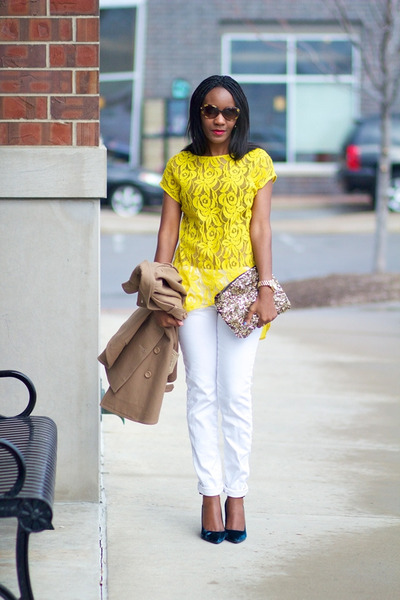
(236, 493)
(209, 491)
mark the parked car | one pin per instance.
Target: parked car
(130, 189)
(273, 140)
(360, 154)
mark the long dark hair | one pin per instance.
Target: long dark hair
(239, 144)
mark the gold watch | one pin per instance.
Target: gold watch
(267, 283)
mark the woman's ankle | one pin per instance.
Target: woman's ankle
(234, 509)
(211, 513)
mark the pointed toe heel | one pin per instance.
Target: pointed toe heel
(215, 537)
(236, 537)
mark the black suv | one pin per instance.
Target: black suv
(360, 153)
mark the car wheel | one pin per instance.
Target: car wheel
(126, 200)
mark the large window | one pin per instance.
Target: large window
(301, 91)
(121, 60)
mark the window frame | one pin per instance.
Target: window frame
(291, 78)
(136, 76)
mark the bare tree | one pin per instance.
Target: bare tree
(380, 57)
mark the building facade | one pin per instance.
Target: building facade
(300, 70)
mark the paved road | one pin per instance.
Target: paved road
(307, 242)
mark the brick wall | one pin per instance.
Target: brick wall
(49, 80)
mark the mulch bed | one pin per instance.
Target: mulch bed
(340, 290)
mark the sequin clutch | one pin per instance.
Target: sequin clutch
(234, 301)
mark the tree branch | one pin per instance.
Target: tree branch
(367, 59)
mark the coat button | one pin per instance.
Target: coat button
(157, 350)
(147, 374)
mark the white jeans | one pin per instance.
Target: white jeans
(219, 369)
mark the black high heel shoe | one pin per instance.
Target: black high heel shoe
(215, 537)
(233, 535)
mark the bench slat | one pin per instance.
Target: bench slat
(36, 438)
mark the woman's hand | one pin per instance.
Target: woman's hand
(164, 319)
(264, 307)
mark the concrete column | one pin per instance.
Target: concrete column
(49, 301)
(52, 174)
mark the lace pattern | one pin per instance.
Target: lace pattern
(216, 195)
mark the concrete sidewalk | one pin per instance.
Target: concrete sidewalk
(323, 514)
(323, 508)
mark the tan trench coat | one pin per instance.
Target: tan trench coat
(140, 359)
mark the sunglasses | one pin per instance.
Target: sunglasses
(230, 113)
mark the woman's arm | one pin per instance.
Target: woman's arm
(167, 240)
(261, 240)
(168, 232)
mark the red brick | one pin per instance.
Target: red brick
(29, 107)
(24, 134)
(49, 30)
(36, 30)
(74, 7)
(3, 134)
(57, 134)
(35, 82)
(39, 30)
(36, 134)
(87, 30)
(82, 108)
(64, 29)
(87, 82)
(87, 55)
(22, 7)
(17, 56)
(87, 134)
(63, 55)
(9, 30)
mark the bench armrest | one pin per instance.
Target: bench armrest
(29, 385)
(19, 459)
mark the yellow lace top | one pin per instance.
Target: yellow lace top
(216, 195)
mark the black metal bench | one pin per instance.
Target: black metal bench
(28, 449)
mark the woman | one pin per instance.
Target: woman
(215, 224)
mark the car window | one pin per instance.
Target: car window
(369, 133)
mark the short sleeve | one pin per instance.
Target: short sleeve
(169, 181)
(263, 168)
